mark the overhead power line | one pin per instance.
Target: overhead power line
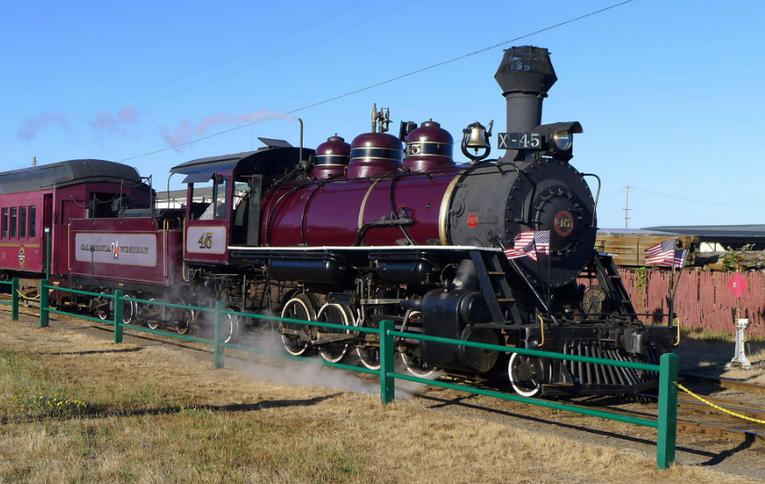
(389, 80)
(701, 202)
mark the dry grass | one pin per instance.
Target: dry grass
(163, 415)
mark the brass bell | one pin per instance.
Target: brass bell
(476, 137)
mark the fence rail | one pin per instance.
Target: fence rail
(666, 423)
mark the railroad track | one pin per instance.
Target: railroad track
(722, 382)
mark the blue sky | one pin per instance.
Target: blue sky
(671, 94)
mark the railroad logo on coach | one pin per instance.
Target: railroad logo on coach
(22, 256)
(116, 249)
(563, 223)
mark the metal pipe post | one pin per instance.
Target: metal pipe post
(387, 352)
(15, 299)
(217, 336)
(667, 423)
(119, 310)
(44, 303)
(47, 252)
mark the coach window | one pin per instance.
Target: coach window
(32, 221)
(13, 222)
(5, 223)
(22, 222)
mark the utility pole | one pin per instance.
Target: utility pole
(627, 208)
(34, 161)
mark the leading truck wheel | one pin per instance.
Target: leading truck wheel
(336, 344)
(295, 337)
(526, 375)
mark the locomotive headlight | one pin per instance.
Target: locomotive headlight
(563, 140)
(559, 138)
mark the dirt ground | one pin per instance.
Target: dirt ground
(709, 357)
(75, 407)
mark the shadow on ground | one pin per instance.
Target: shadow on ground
(713, 458)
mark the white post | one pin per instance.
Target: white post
(739, 356)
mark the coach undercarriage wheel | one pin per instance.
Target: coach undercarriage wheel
(129, 309)
(296, 337)
(526, 375)
(410, 355)
(103, 308)
(333, 344)
(152, 314)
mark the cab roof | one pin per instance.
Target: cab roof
(271, 161)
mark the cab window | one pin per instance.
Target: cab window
(220, 189)
(216, 208)
(5, 223)
(201, 200)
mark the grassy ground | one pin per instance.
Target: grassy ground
(71, 409)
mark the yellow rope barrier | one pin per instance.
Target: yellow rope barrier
(27, 298)
(717, 407)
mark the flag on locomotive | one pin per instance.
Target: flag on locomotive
(529, 243)
(666, 254)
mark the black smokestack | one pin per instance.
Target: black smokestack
(525, 75)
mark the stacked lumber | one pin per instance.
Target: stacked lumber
(750, 260)
(628, 249)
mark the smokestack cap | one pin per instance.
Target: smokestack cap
(526, 69)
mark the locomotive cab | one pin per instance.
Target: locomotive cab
(223, 198)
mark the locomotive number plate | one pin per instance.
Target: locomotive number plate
(203, 239)
(519, 141)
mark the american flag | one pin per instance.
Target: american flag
(666, 255)
(680, 256)
(529, 243)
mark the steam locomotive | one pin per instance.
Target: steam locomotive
(385, 227)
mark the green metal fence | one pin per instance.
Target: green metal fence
(13, 285)
(666, 423)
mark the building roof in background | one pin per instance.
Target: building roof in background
(713, 231)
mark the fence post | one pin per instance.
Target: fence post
(387, 352)
(667, 430)
(15, 299)
(119, 309)
(44, 303)
(217, 335)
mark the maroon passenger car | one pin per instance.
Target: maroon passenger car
(47, 198)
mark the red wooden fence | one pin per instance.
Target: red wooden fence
(702, 300)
